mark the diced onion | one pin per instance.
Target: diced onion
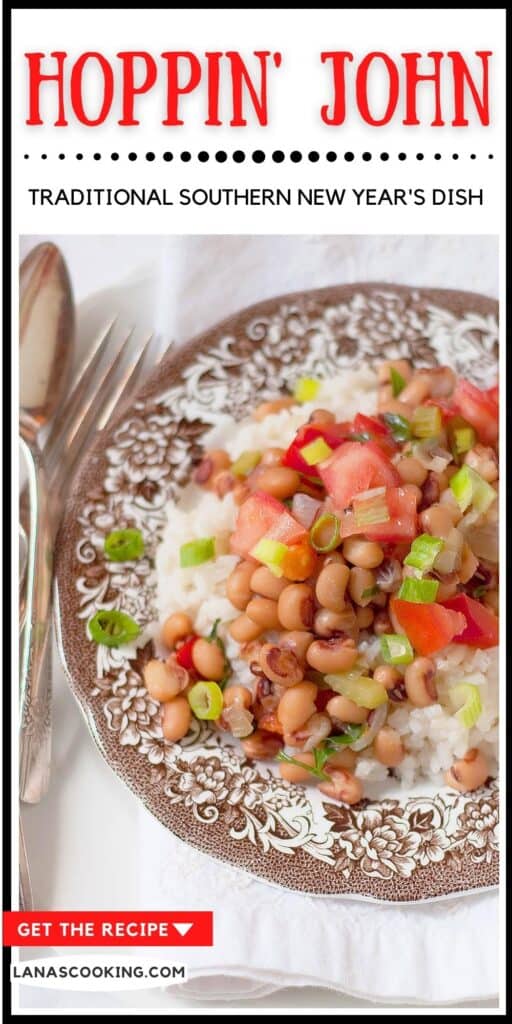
(484, 542)
(431, 456)
(239, 720)
(374, 724)
(305, 509)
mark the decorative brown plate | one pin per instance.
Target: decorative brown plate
(407, 847)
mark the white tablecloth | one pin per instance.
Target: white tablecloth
(90, 845)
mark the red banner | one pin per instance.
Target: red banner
(104, 928)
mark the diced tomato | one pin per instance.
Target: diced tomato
(355, 467)
(429, 627)
(261, 515)
(369, 425)
(322, 699)
(494, 394)
(402, 523)
(482, 628)
(333, 434)
(377, 431)
(184, 654)
(299, 562)
(478, 408)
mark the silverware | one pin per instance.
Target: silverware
(46, 343)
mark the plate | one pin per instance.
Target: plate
(406, 847)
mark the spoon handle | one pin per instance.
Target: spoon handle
(35, 679)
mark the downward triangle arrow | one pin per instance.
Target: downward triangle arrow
(183, 928)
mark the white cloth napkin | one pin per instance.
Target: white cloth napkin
(267, 938)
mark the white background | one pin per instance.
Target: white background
(92, 851)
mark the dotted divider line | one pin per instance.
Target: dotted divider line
(258, 156)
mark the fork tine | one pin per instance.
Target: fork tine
(62, 424)
(59, 460)
(130, 380)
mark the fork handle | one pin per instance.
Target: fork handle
(35, 678)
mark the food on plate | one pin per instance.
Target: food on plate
(328, 583)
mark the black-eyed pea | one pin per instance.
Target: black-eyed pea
(293, 773)
(341, 709)
(365, 617)
(280, 664)
(343, 786)
(361, 586)
(238, 586)
(419, 679)
(333, 655)
(263, 611)
(176, 627)
(243, 629)
(268, 408)
(296, 706)
(209, 660)
(162, 683)
(264, 583)
(279, 481)
(366, 554)
(176, 718)
(469, 772)
(412, 471)
(387, 676)
(298, 641)
(388, 747)
(261, 745)
(343, 758)
(331, 586)
(296, 607)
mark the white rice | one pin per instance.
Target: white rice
(432, 736)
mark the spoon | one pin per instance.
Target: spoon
(46, 323)
(22, 574)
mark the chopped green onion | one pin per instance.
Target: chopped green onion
(466, 697)
(418, 591)
(315, 452)
(424, 551)
(113, 628)
(461, 435)
(363, 690)
(124, 545)
(371, 591)
(245, 463)
(313, 769)
(372, 510)
(396, 649)
(195, 552)
(306, 389)
(463, 440)
(327, 521)
(271, 553)
(469, 488)
(206, 700)
(397, 381)
(480, 591)
(427, 421)
(398, 425)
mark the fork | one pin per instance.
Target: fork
(89, 407)
(82, 411)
